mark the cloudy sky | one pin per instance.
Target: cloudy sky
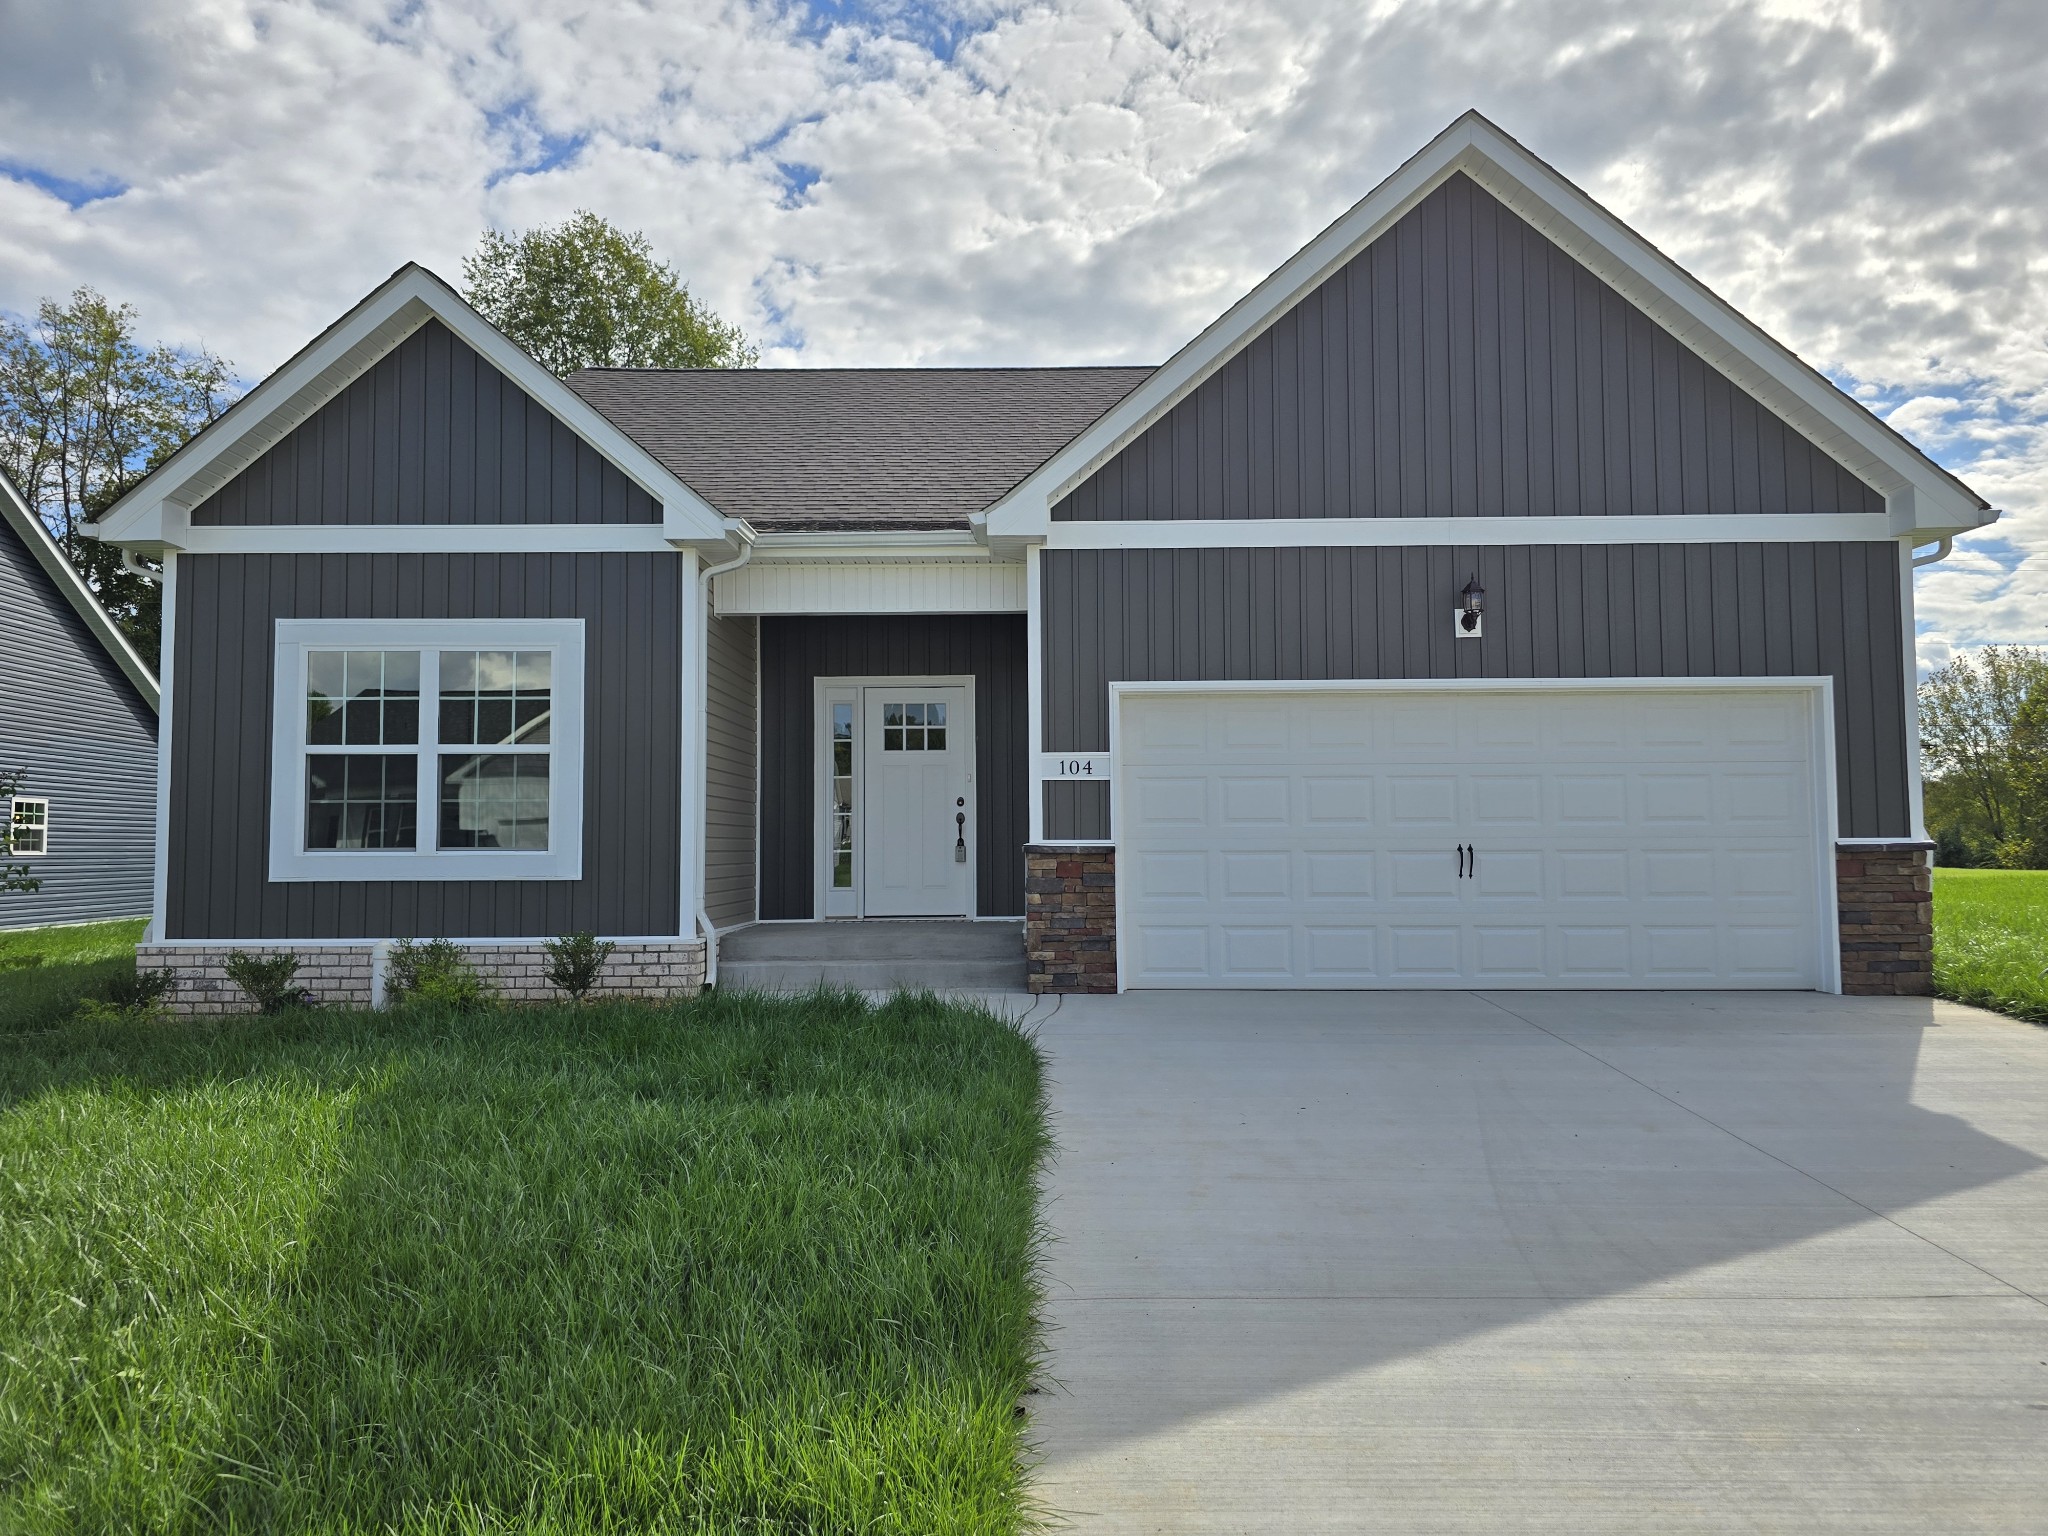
(952, 181)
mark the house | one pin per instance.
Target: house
(1478, 601)
(78, 715)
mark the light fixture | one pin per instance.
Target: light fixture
(1471, 602)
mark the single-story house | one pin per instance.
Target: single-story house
(1478, 601)
(78, 720)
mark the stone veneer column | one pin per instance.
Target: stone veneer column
(1885, 892)
(1070, 917)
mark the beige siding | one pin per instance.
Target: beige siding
(731, 748)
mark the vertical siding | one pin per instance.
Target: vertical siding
(732, 761)
(431, 433)
(1592, 610)
(228, 606)
(70, 717)
(1462, 365)
(797, 651)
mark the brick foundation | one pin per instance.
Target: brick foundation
(1070, 918)
(1885, 892)
(340, 974)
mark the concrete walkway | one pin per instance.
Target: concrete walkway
(1540, 1262)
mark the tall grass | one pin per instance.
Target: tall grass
(45, 972)
(745, 1265)
(1991, 939)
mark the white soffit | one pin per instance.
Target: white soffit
(154, 513)
(870, 585)
(1924, 499)
(22, 517)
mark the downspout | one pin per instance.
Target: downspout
(134, 567)
(746, 538)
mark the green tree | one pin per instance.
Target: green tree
(85, 411)
(585, 294)
(2025, 845)
(1969, 710)
(13, 877)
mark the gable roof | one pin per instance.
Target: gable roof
(847, 449)
(156, 511)
(35, 537)
(1922, 498)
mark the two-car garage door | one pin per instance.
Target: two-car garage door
(1338, 837)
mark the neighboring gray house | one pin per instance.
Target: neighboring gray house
(78, 711)
(1479, 601)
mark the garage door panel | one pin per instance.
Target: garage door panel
(1313, 841)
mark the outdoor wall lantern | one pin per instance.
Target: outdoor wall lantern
(1471, 602)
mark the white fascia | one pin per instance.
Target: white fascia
(156, 515)
(1922, 499)
(64, 576)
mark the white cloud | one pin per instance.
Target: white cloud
(1067, 180)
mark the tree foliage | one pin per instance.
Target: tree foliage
(85, 411)
(13, 877)
(1979, 753)
(585, 294)
(2025, 845)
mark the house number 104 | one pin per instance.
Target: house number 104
(1074, 765)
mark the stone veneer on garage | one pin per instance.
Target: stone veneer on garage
(341, 974)
(1070, 917)
(1885, 896)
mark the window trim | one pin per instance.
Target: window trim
(16, 852)
(291, 860)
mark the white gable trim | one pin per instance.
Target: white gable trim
(1922, 499)
(156, 514)
(23, 519)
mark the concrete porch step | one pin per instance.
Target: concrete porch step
(875, 955)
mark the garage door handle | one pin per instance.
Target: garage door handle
(1472, 862)
(1461, 861)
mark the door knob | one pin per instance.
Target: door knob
(960, 840)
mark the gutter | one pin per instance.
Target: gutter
(1942, 547)
(746, 537)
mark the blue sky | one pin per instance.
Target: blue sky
(1068, 180)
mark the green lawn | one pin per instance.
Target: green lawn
(45, 971)
(739, 1266)
(1991, 939)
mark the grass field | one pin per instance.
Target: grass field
(1991, 939)
(45, 971)
(738, 1266)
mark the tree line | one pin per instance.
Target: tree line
(87, 408)
(1984, 749)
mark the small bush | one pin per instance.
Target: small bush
(130, 998)
(22, 960)
(270, 980)
(432, 973)
(575, 962)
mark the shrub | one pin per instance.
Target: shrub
(133, 998)
(270, 980)
(433, 973)
(22, 960)
(575, 960)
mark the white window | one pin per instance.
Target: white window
(29, 827)
(427, 749)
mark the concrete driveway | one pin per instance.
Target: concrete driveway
(1542, 1262)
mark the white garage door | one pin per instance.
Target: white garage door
(1605, 838)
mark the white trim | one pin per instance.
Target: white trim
(1909, 672)
(1921, 496)
(883, 543)
(822, 690)
(424, 538)
(160, 874)
(1406, 532)
(290, 860)
(156, 512)
(14, 809)
(1821, 721)
(499, 941)
(766, 587)
(36, 536)
(1034, 684)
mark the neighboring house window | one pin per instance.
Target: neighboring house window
(29, 827)
(428, 750)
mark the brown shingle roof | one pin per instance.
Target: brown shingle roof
(794, 449)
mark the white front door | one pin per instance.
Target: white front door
(911, 799)
(1605, 838)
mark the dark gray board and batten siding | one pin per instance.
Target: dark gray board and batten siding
(432, 433)
(227, 608)
(795, 652)
(1463, 365)
(732, 762)
(1569, 611)
(71, 717)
